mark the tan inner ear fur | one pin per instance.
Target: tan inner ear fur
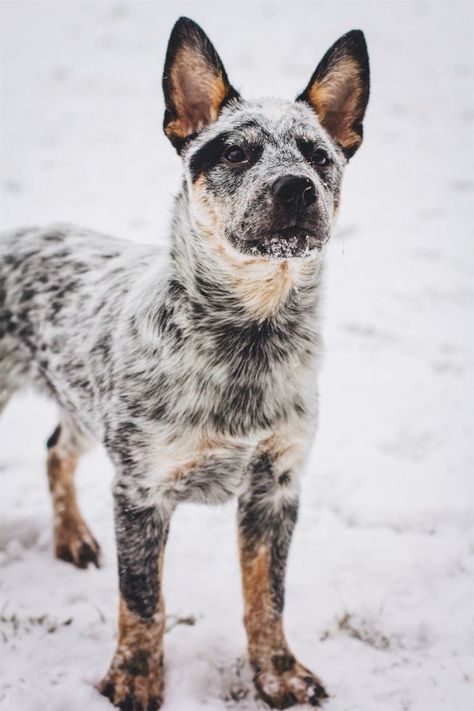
(197, 93)
(336, 100)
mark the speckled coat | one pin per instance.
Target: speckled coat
(195, 367)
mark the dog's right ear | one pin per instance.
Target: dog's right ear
(195, 83)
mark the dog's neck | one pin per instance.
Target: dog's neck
(262, 287)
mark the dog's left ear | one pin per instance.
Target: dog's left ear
(195, 83)
(339, 90)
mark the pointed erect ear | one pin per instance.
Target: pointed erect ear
(339, 90)
(195, 84)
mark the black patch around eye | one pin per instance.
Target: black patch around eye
(207, 156)
(317, 156)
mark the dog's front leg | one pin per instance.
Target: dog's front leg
(267, 514)
(135, 678)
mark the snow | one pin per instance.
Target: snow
(380, 580)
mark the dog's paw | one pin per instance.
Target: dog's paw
(78, 546)
(286, 683)
(133, 692)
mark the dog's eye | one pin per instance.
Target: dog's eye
(319, 157)
(235, 154)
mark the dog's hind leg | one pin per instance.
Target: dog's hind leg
(267, 514)
(73, 541)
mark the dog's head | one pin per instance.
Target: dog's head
(264, 176)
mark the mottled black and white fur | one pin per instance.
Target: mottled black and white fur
(195, 367)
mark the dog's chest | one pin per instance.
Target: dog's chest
(203, 446)
(211, 390)
(236, 383)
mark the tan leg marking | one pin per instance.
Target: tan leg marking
(73, 540)
(280, 680)
(262, 622)
(135, 679)
(268, 511)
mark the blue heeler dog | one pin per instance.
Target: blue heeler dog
(195, 368)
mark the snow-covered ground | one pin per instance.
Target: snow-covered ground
(380, 595)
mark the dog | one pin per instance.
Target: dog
(195, 367)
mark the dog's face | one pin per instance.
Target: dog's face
(264, 177)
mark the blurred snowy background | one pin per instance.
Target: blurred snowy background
(381, 578)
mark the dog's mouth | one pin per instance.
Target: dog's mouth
(296, 241)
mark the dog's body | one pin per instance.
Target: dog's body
(197, 368)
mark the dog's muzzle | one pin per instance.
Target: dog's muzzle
(293, 229)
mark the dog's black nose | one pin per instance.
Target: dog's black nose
(294, 190)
